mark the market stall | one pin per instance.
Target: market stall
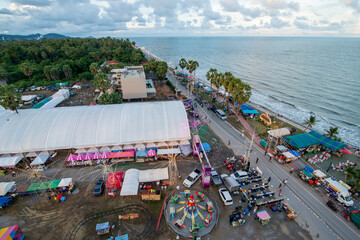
(9, 162)
(290, 156)
(167, 152)
(102, 228)
(40, 162)
(263, 217)
(307, 175)
(66, 184)
(141, 156)
(151, 155)
(117, 157)
(290, 213)
(320, 175)
(151, 182)
(7, 187)
(113, 183)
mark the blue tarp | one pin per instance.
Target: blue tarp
(295, 153)
(4, 201)
(246, 107)
(309, 169)
(208, 89)
(250, 111)
(206, 147)
(141, 154)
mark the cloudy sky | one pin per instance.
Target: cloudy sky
(130, 18)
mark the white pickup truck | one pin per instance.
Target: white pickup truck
(192, 178)
(339, 192)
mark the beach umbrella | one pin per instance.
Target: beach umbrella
(71, 157)
(79, 157)
(105, 155)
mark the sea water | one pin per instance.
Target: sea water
(294, 77)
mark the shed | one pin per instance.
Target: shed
(10, 162)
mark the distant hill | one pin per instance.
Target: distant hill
(36, 36)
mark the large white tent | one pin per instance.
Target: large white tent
(39, 160)
(131, 183)
(280, 132)
(35, 130)
(153, 175)
(5, 187)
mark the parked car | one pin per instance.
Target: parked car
(215, 177)
(332, 205)
(212, 108)
(40, 96)
(21, 89)
(239, 175)
(220, 114)
(99, 187)
(192, 178)
(225, 196)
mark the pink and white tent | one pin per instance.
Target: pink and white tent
(89, 156)
(72, 157)
(151, 153)
(80, 157)
(97, 155)
(105, 155)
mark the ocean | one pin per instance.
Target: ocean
(294, 77)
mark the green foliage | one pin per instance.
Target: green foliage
(38, 60)
(183, 64)
(310, 121)
(332, 132)
(158, 67)
(112, 98)
(101, 82)
(171, 86)
(353, 178)
(9, 97)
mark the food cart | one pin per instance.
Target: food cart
(290, 213)
(102, 228)
(263, 217)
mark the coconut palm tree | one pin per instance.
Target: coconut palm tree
(332, 132)
(102, 82)
(241, 92)
(183, 64)
(310, 122)
(9, 97)
(226, 81)
(218, 80)
(210, 75)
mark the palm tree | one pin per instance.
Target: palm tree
(218, 80)
(102, 82)
(4, 75)
(332, 132)
(310, 122)
(210, 75)
(183, 64)
(226, 81)
(241, 92)
(26, 68)
(94, 69)
(9, 97)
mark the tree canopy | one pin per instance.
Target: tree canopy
(9, 97)
(42, 62)
(112, 98)
(158, 67)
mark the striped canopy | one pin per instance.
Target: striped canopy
(328, 142)
(302, 140)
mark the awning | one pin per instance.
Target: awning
(250, 111)
(9, 161)
(141, 154)
(281, 148)
(80, 150)
(65, 182)
(295, 153)
(319, 174)
(150, 145)
(104, 149)
(327, 142)
(116, 148)
(306, 173)
(280, 132)
(92, 150)
(4, 201)
(131, 183)
(184, 142)
(151, 153)
(154, 175)
(288, 155)
(128, 147)
(5, 187)
(161, 144)
(173, 143)
(139, 146)
(39, 160)
(31, 154)
(168, 151)
(54, 183)
(302, 140)
(126, 154)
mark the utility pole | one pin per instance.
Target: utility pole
(249, 150)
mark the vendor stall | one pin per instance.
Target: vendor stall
(102, 228)
(151, 185)
(7, 187)
(290, 213)
(118, 157)
(11, 233)
(66, 184)
(166, 153)
(206, 148)
(9, 162)
(40, 162)
(141, 156)
(113, 183)
(290, 156)
(131, 183)
(263, 217)
(307, 175)
(320, 175)
(151, 155)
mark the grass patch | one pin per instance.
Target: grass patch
(206, 135)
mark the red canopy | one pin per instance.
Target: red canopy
(114, 180)
(126, 154)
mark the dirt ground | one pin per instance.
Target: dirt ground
(41, 218)
(163, 90)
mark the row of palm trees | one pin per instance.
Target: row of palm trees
(239, 90)
(190, 65)
(332, 132)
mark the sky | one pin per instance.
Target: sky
(131, 18)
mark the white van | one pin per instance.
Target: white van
(221, 114)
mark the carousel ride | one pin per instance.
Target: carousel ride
(191, 214)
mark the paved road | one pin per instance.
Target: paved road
(313, 215)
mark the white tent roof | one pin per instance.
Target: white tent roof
(41, 159)
(318, 173)
(131, 183)
(5, 187)
(92, 126)
(65, 182)
(9, 161)
(168, 151)
(279, 132)
(153, 175)
(288, 154)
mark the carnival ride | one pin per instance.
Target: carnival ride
(193, 207)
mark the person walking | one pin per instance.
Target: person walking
(280, 192)
(269, 179)
(270, 158)
(229, 142)
(285, 182)
(257, 160)
(280, 185)
(265, 153)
